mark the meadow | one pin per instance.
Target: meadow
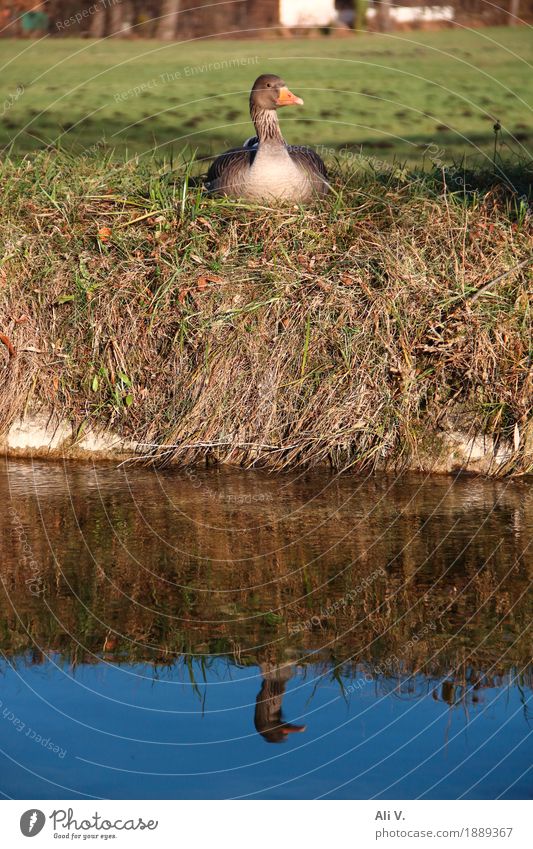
(407, 97)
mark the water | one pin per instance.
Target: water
(226, 634)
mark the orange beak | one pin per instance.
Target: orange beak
(287, 98)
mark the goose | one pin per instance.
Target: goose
(266, 167)
(268, 717)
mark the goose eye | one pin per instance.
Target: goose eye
(269, 85)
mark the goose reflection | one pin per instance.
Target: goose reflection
(268, 717)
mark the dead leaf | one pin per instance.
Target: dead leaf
(205, 223)
(104, 234)
(204, 279)
(7, 343)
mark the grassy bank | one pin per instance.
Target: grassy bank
(354, 333)
(391, 95)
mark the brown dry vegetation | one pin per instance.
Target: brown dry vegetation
(351, 333)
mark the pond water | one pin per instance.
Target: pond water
(231, 634)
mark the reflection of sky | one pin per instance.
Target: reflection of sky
(203, 737)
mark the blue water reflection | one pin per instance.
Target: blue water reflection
(197, 730)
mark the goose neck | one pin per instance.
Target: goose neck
(267, 126)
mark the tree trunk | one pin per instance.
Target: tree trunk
(383, 16)
(116, 18)
(97, 28)
(514, 10)
(359, 17)
(167, 25)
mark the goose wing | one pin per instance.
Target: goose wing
(229, 168)
(312, 163)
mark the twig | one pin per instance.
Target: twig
(216, 445)
(482, 289)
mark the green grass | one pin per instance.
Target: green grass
(390, 96)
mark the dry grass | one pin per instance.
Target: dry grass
(346, 334)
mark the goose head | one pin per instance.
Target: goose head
(270, 92)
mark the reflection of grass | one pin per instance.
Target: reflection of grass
(442, 606)
(393, 94)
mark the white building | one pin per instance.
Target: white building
(307, 13)
(320, 13)
(419, 14)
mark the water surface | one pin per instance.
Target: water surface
(221, 633)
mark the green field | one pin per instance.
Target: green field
(389, 96)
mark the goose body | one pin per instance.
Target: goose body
(265, 167)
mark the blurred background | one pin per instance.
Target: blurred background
(410, 82)
(169, 19)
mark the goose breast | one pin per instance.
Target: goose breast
(275, 174)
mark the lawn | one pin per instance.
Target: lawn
(388, 96)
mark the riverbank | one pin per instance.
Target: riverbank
(388, 328)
